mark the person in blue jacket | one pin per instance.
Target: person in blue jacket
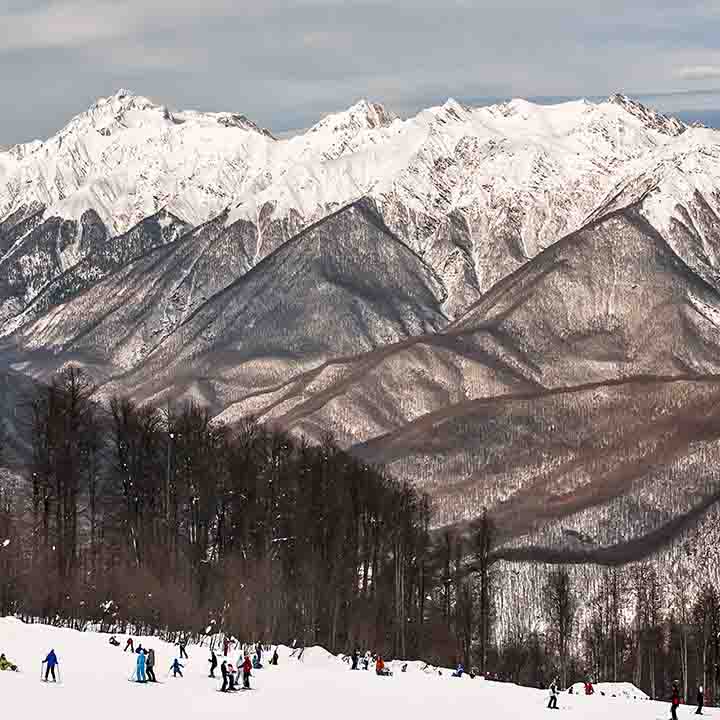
(175, 667)
(141, 677)
(50, 662)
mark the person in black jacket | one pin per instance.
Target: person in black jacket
(150, 666)
(213, 663)
(700, 700)
(224, 673)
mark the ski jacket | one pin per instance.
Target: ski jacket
(247, 666)
(675, 697)
(379, 665)
(150, 661)
(176, 665)
(51, 659)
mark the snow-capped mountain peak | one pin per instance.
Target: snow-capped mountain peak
(651, 118)
(363, 115)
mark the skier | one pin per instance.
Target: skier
(213, 663)
(700, 700)
(380, 668)
(183, 645)
(258, 653)
(274, 659)
(553, 704)
(129, 645)
(150, 666)
(114, 641)
(366, 661)
(459, 672)
(140, 671)
(247, 669)
(224, 673)
(176, 668)
(355, 658)
(50, 662)
(589, 689)
(5, 664)
(675, 701)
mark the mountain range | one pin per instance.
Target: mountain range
(514, 307)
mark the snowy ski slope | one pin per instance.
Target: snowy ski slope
(95, 684)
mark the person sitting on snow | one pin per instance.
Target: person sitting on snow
(5, 664)
(459, 672)
(114, 641)
(380, 668)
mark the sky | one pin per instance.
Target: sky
(287, 63)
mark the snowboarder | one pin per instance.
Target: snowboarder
(553, 704)
(140, 671)
(355, 658)
(183, 644)
(213, 663)
(129, 645)
(5, 664)
(114, 641)
(247, 669)
(224, 673)
(150, 666)
(675, 701)
(459, 672)
(176, 668)
(274, 659)
(50, 662)
(700, 700)
(257, 665)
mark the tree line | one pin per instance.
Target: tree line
(157, 518)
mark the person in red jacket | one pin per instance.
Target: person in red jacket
(246, 668)
(675, 700)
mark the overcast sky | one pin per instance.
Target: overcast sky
(286, 63)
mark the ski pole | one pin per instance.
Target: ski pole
(42, 664)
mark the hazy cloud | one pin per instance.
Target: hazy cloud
(285, 63)
(700, 72)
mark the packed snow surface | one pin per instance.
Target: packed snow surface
(95, 684)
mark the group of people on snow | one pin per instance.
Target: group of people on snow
(145, 662)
